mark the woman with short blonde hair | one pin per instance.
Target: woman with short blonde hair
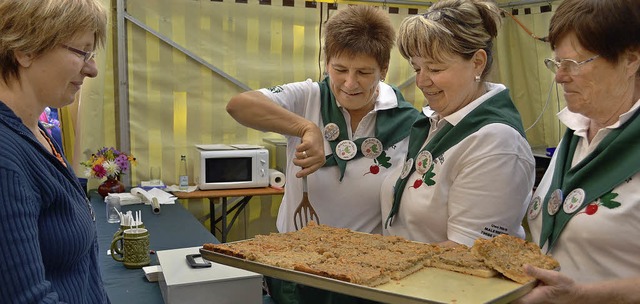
(469, 170)
(49, 243)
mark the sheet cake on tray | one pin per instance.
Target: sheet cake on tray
(381, 268)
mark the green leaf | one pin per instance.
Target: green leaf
(427, 178)
(383, 160)
(607, 200)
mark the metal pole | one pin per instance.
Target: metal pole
(122, 88)
(186, 52)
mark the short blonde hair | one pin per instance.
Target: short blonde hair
(360, 30)
(451, 27)
(37, 26)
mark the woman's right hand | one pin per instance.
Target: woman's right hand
(309, 153)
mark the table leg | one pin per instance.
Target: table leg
(238, 207)
(212, 214)
(225, 230)
(225, 225)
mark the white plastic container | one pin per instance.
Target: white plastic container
(220, 284)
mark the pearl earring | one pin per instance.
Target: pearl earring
(477, 78)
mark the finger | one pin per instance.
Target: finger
(534, 272)
(301, 154)
(308, 170)
(548, 277)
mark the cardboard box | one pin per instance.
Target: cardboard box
(220, 284)
(277, 152)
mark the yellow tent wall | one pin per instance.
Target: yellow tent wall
(176, 102)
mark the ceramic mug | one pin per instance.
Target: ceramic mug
(135, 248)
(119, 233)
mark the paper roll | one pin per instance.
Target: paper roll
(155, 205)
(276, 178)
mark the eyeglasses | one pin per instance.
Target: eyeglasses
(437, 15)
(86, 55)
(571, 66)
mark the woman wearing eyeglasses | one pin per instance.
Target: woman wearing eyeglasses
(48, 242)
(586, 210)
(469, 170)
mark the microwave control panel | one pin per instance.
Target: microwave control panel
(263, 163)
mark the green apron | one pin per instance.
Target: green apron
(392, 125)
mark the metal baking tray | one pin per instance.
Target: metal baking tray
(428, 285)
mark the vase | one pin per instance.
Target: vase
(111, 185)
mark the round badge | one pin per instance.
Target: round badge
(554, 202)
(406, 168)
(331, 131)
(423, 162)
(371, 147)
(346, 150)
(573, 201)
(534, 208)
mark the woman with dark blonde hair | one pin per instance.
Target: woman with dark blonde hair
(48, 244)
(586, 210)
(469, 170)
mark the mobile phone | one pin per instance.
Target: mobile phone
(196, 261)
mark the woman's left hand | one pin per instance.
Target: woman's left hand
(310, 152)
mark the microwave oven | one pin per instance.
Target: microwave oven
(232, 168)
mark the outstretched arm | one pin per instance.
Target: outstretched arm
(254, 110)
(555, 287)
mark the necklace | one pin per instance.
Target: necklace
(61, 160)
(53, 148)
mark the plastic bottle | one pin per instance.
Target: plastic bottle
(184, 178)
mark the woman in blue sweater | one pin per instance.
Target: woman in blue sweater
(48, 244)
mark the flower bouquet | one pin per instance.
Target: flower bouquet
(110, 163)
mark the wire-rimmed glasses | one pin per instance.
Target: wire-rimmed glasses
(86, 55)
(571, 66)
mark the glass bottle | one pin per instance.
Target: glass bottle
(183, 177)
(113, 208)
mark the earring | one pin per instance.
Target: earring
(477, 78)
(382, 79)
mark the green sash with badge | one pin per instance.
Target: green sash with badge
(392, 125)
(497, 109)
(614, 160)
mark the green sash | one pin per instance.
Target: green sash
(497, 109)
(614, 160)
(392, 125)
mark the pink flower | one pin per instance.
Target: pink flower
(108, 162)
(99, 171)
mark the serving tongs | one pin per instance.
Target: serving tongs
(304, 213)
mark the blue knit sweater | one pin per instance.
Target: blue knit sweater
(48, 241)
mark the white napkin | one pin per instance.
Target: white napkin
(162, 196)
(176, 188)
